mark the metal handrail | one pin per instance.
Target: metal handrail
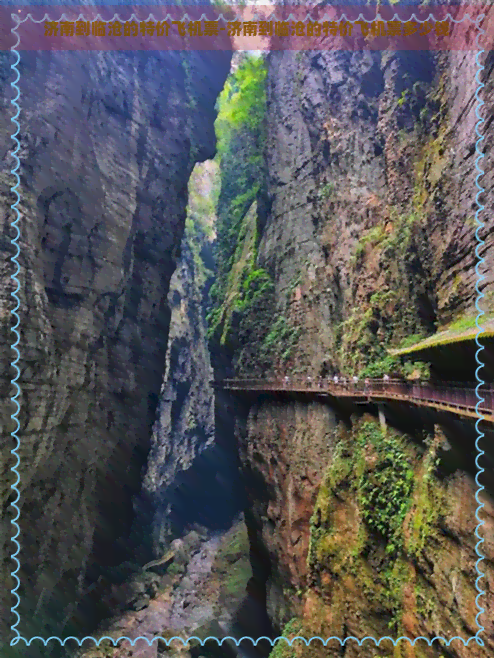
(454, 394)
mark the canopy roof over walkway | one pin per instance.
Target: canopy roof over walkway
(452, 352)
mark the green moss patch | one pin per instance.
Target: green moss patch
(379, 500)
(374, 324)
(231, 564)
(282, 649)
(463, 329)
(241, 311)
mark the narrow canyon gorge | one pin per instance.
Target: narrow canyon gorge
(190, 219)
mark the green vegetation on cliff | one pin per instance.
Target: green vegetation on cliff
(379, 502)
(201, 211)
(242, 297)
(392, 312)
(283, 649)
(242, 104)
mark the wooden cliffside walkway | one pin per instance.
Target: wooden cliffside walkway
(455, 398)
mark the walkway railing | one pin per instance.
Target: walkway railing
(455, 397)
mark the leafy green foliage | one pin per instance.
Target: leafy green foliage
(281, 334)
(416, 370)
(327, 190)
(239, 130)
(231, 563)
(229, 230)
(244, 282)
(408, 341)
(385, 491)
(282, 649)
(403, 98)
(373, 237)
(198, 230)
(392, 312)
(361, 345)
(242, 103)
(256, 284)
(379, 502)
(243, 291)
(466, 323)
(429, 504)
(385, 366)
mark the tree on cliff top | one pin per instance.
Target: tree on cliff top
(242, 103)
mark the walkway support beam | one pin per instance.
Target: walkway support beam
(382, 418)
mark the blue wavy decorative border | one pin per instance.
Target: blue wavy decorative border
(475, 638)
(14, 345)
(480, 382)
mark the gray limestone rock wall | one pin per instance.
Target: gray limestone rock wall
(358, 144)
(185, 423)
(192, 462)
(108, 141)
(369, 236)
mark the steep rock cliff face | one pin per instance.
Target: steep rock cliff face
(185, 424)
(284, 448)
(108, 142)
(355, 545)
(371, 179)
(369, 239)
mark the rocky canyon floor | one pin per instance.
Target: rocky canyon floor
(197, 594)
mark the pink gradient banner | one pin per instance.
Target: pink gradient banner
(267, 27)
